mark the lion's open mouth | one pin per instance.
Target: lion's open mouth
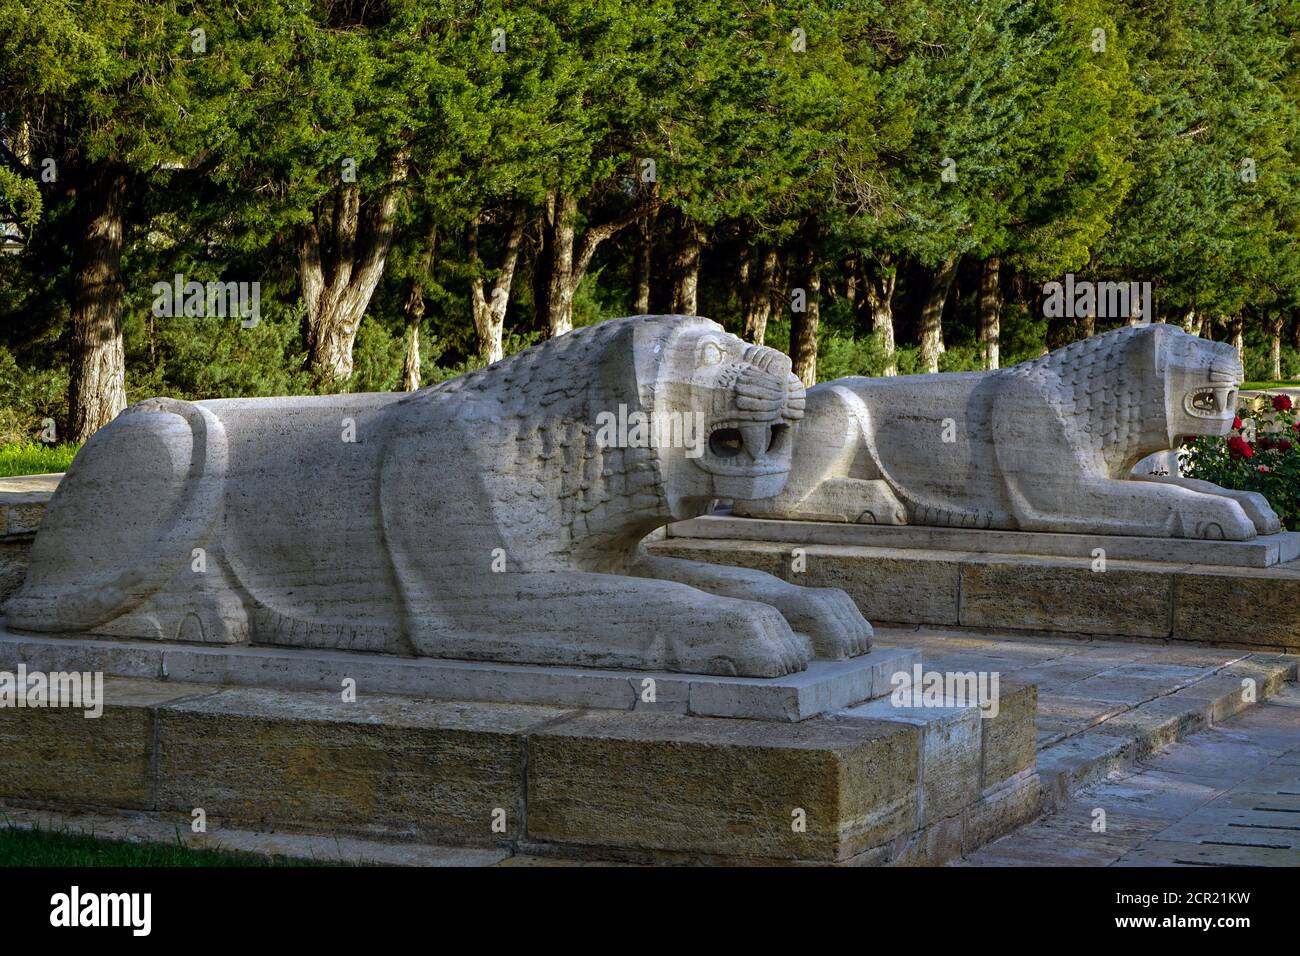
(760, 441)
(1210, 401)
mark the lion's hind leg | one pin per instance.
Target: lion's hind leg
(832, 477)
(1160, 510)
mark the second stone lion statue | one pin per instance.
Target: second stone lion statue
(1046, 445)
(491, 517)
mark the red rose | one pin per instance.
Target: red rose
(1236, 422)
(1263, 469)
(1238, 447)
(1281, 403)
(1284, 445)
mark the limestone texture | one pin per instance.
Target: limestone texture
(495, 517)
(1047, 445)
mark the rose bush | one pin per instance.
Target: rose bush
(1262, 454)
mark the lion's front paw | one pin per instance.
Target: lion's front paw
(831, 620)
(746, 639)
(1259, 511)
(1219, 519)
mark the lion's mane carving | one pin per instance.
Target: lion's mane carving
(1046, 445)
(484, 518)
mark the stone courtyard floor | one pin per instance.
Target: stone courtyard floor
(1226, 796)
(1156, 736)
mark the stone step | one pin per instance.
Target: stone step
(23, 500)
(1260, 552)
(1068, 762)
(1226, 795)
(1103, 706)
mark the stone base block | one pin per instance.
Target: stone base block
(1255, 607)
(1261, 552)
(820, 791)
(632, 785)
(824, 686)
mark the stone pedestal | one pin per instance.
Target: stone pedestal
(824, 687)
(640, 786)
(1224, 593)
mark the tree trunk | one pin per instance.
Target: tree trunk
(97, 372)
(645, 245)
(489, 311)
(1275, 323)
(414, 316)
(563, 264)
(686, 267)
(744, 276)
(558, 287)
(803, 325)
(932, 314)
(852, 269)
(340, 262)
(1192, 322)
(881, 279)
(991, 310)
(759, 294)
(1238, 327)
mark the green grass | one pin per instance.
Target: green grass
(21, 847)
(33, 458)
(1265, 386)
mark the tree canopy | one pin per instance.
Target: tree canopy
(421, 186)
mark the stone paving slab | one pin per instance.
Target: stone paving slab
(1172, 853)
(1103, 705)
(1225, 796)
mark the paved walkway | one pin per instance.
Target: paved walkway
(1082, 683)
(1228, 795)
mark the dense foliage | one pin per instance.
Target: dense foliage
(418, 186)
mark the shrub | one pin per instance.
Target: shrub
(1261, 454)
(27, 398)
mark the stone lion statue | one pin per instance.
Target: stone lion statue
(497, 516)
(1046, 445)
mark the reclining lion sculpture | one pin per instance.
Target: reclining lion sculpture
(1046, 445)
(489, 517)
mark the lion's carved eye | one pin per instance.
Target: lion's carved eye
(711, 353)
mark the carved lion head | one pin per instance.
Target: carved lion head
(1202, 379)
(732, 404)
